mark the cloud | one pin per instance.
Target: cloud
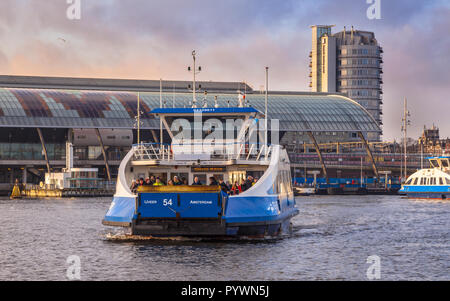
(3, 61)
(235, 40)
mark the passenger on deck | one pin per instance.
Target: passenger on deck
(247, 184)
(133, 186)
(141, 182)
(235, 189)
(224, 186)
(185, 181)
(213, 182)
(255, 181)
(170, 183)
(177, 181)
(148, 182)
(158, 182)
(152, 180)
(197, 182)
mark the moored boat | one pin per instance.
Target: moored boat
(430, 183)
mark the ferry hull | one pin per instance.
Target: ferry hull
(210, 228)
(263, 210)
(429, 195)
(230, 217)
(426, 192)
(211, 214)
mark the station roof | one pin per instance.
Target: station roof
(46, 108)
(106, 84)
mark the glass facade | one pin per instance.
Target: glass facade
(29, 151)
(86, 109)
(57, 152)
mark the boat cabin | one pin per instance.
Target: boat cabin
(437, 175)
(442, 163)
(222, 143)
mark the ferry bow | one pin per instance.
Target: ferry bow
(263, 209)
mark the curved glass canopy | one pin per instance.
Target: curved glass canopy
(93, 109)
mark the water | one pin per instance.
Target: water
(333, 237)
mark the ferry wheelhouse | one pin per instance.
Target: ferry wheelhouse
(433, 183)
(264, 210)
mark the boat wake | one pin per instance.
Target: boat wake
(126, 237)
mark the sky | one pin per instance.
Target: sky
(235, 40)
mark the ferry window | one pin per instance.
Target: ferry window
(218, 177)
(408, 182)
(441, 182)
(202, 178)
(447, 181)
(422, 181)
(416, 180)
(433, 181)
(444, 163)
(434, 163)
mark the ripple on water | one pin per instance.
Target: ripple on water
(332, 238)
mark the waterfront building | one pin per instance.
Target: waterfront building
(348, 62)
(39, 116)
(430, 142)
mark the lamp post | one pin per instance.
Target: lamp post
(194, 72)
(266, 134)
(137, 124)
(139, 119)
(405, 123)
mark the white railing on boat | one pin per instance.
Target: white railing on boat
(198, 151)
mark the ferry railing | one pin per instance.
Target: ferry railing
(213, 151)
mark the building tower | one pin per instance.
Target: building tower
(349, 62)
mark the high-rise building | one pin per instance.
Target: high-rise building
(349, 62)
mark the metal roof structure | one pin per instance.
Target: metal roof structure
(46, 108)
(105, 84)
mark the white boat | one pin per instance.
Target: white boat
(263, 210)
(430, 183)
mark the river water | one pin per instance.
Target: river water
(333, 238)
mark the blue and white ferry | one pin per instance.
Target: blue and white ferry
(265, 210)
(430, 183)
